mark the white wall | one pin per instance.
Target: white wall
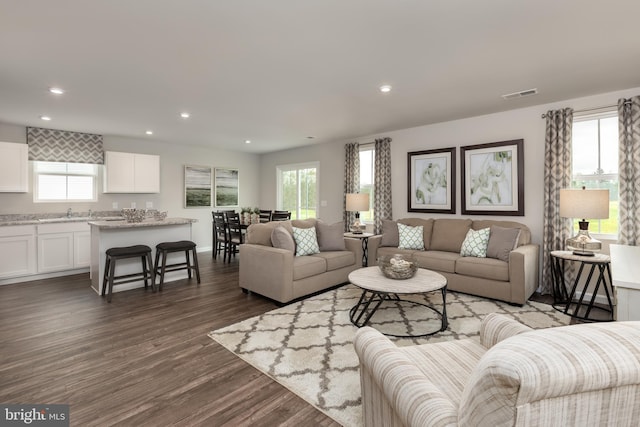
(525, 123)
(173, 157)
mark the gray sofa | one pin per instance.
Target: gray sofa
(278, 274)
(512, 279)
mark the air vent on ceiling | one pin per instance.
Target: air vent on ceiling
(520, 94)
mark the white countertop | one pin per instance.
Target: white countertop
(106, 225)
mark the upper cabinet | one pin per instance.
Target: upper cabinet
(131, 173)
(14, 167)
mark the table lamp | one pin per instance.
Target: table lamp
(357, 202)
(583, 203)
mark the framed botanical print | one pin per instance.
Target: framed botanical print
(493, 178)
(432, 181)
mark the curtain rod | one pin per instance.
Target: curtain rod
(626, 102)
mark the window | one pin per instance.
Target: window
(298, 190)
(595, 164)
(367, 158)
(70, 182)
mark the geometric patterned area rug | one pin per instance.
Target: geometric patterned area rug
(308, 346)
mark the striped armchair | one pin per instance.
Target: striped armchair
(579, 375)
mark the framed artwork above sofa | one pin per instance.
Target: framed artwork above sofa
(432, 181)
(493, 178)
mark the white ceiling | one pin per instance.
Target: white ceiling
(278, 71)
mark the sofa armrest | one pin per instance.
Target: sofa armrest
(393, 388)
(267, 270)
(355, 246)
(374, 244)
(523, 272)
(497, 327)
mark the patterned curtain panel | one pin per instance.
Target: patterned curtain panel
(557, 175)
(50, 145)
(382, 185)
(629, 171)
(351, 180)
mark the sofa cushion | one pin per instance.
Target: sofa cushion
(303, 223)
(282, 239)
(475, 244)
(410, 237)
(306, 241)
(337, 259)
(330, 237)
(437, 260)
(501, 242)
(448, 234)
(307, 266)
(390, 235)
(485, 268)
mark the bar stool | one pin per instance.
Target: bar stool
(164, 248)
(113, 254)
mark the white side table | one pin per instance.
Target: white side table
(365, 244)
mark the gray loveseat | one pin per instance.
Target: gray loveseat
(280, 275)
(513, 279)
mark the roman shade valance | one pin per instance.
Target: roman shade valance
(51, 145)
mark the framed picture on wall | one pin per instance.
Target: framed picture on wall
(493, 178)
(197, 186)
(432, 181)
(226, 184)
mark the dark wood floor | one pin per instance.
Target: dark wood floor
(143, 360)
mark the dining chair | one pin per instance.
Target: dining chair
(235, 237)
(220, 234)
(280, 215)
(265, 215)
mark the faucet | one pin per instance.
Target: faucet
(69, 213)
(90, 213)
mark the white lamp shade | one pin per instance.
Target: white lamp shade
(584, 204)
(357, 202)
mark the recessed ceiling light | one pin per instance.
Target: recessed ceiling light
(46, 118)
(385, 88)
(149, 132)
(56, 90)
(247, 141)
(185, 115)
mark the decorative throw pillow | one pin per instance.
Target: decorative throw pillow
(410, 237)
(502, 241)
(282, 239)
(330, 237)
(475, 244)
(306, 241)
(389, 234)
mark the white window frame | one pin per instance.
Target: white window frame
(37, 172)
(297, 167)
(367, 217)
(575, 177)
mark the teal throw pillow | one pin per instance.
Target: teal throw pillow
(475, 244)
(410, 237)
(306, 241)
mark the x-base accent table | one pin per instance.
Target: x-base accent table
(563, 302)
(376, 288)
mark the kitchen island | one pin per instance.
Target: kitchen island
(150, 232)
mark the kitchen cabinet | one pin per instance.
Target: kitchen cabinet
(17, 251)
(63, 246)
(131, 173)
(14, 167)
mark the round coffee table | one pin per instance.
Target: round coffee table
(376, 289)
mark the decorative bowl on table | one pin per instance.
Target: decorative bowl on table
(160, 216)
(398, 266)
(134, 215)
